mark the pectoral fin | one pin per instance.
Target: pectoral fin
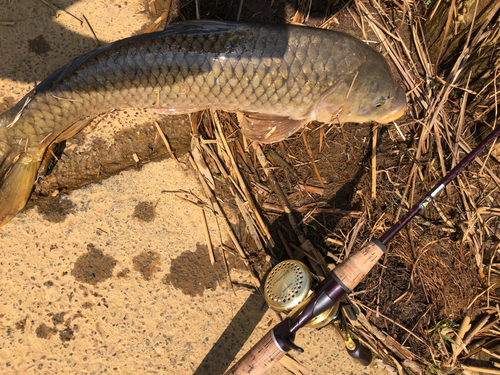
(268, 128)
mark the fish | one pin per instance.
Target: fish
(277, 78)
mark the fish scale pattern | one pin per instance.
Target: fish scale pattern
(281, 76)
(252, 68)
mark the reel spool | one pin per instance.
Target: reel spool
(289, 287)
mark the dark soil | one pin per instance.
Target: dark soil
(192, 272)
(93, 267)
(39, 45)
(147, 263)
(145, 211)
(45, 332)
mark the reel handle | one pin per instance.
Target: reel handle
(354, 347)
(361, 353)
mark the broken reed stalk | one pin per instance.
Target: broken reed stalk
(242, 184)
(152, 6)
(354, 235)
(312, 159)
(311, 189)
(220, 213)
(165, 141)
(207, 235)
(285, 244)
(248, 220)
(237, 194)
(374, 162)
(279, 192)
(316, 210)
(156, 24)
(218, 209)
(94, 36)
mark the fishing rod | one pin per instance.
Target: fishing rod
(288, 282)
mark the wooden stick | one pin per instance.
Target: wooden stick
(374, 163)
(293, 366)
(152, 7)
(490, 353)
(315, 210)
(162, 135)
(277, 189)
(481, 369)
(241, 181)
(354, 235)
(248, 220)
(196, 2)
(312, 159)
(86, 21)
(239, 10)
(154, 26)
(285, 244)
(311, 189)
(207, 236)
(393, 322)
(305, 253)
(218, 209)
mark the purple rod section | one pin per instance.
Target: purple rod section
(387, 236)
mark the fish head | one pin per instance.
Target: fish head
(370, 94)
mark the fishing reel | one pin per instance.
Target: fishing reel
(290, 286)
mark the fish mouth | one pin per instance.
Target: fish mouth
(392, 116)
(399, 101)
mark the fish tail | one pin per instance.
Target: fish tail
(17, 177)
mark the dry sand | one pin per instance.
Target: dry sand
(114, 277)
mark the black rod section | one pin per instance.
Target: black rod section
(387, 236)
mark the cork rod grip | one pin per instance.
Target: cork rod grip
(260, 359)
(354, 269)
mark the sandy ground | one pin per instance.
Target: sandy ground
(115, 278)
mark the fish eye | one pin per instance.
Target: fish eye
(380, 101)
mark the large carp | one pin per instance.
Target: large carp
(278, 77)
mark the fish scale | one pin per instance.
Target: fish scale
(277, 77)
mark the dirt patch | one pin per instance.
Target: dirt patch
(147, 263)
(145, 211)
(93, 267)
(38, 45)
(193, 273)
(58, 318)
(123, 273)
(56, 209)
(20, 325)
(45, 332)
(66, 334)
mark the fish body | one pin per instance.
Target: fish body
(277, 77)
